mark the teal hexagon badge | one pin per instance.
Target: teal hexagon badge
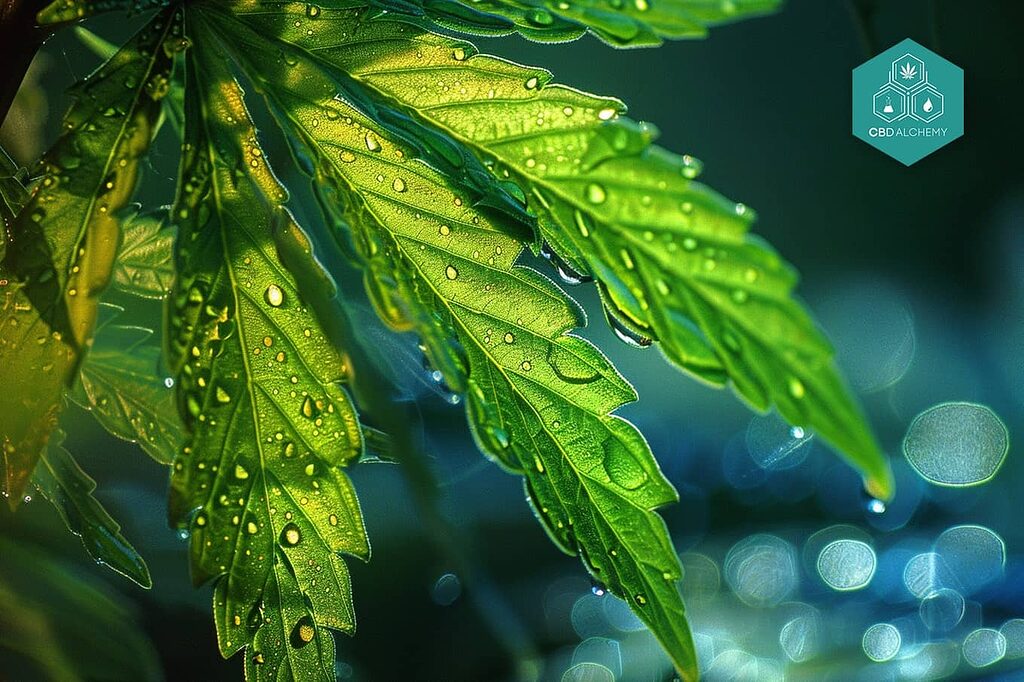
(908, 102)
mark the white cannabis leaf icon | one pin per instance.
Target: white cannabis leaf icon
(908, 71)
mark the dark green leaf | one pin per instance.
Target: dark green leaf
(62, 245)
(61, 481)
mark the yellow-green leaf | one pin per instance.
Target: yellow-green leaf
(63, 243)
(259, 485)
(673, 259)
(539, 398)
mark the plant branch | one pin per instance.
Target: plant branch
(20, 39)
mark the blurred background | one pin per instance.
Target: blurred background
(916, 274)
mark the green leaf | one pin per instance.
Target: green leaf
(123, 387)
(60, 11)
(69, 489)
(539, 398)
(64, 240)
(673, 259)
(621, 23)
(145, 263)
(260, 484)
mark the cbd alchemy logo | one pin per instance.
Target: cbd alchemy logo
(908, 102)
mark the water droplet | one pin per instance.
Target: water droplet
(510, 337)
(621, 465)
(371, 143)
(303, 632)
(796, 388)
(606, 114)
(532, 83)
(347, 156)
(290, 535)
(273, 296)
(595, 193)
(398, 185)
(240, 473)
(450, 272)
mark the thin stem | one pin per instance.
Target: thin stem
(862, 13)
(20, 39)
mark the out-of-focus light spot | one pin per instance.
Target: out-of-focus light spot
(739, 469)
(774, 445)
(588, 617)
(588, 672)
(846, 564)
(602, 651)
(876, 506)
(701, 578)
(942, 610)
(975, 555)
(925, 573)
(447, 589)
(956, 444)
(621, 617)
(734, 665)
(761, 570)
(1013, 632)
(799, 637)
(983, 647)
(873, 331)
(931, 661)
(881, 642)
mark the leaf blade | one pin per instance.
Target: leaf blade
(673, 259)
(455, 271)
(258, 384)
(64, 240)
(60, 479)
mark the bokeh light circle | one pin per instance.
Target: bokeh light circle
(956, 444)
(942, 610)
(881, 642)
(847, 564)
(983, 647)
(761, 570)
(1013, 631)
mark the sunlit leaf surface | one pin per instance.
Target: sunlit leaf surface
(259, 485)
(673, 259)
(62, 245)
(539, 398)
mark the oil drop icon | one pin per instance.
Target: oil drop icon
(928, 106)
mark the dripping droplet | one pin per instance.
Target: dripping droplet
(274, 296)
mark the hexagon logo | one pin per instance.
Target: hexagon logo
(908, 102)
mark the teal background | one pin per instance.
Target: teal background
(947, 78)
(766, 105)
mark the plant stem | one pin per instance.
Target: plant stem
(20, 39)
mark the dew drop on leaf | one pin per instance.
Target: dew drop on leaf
(290, 535)
(274, 296)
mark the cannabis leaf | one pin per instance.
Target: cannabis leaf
(539, 398)
(672, 258)
(145, 264)
(623, 23)
(908, 71)
(61, 481)
(259, 484)
(63, 242)
(122, 387)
